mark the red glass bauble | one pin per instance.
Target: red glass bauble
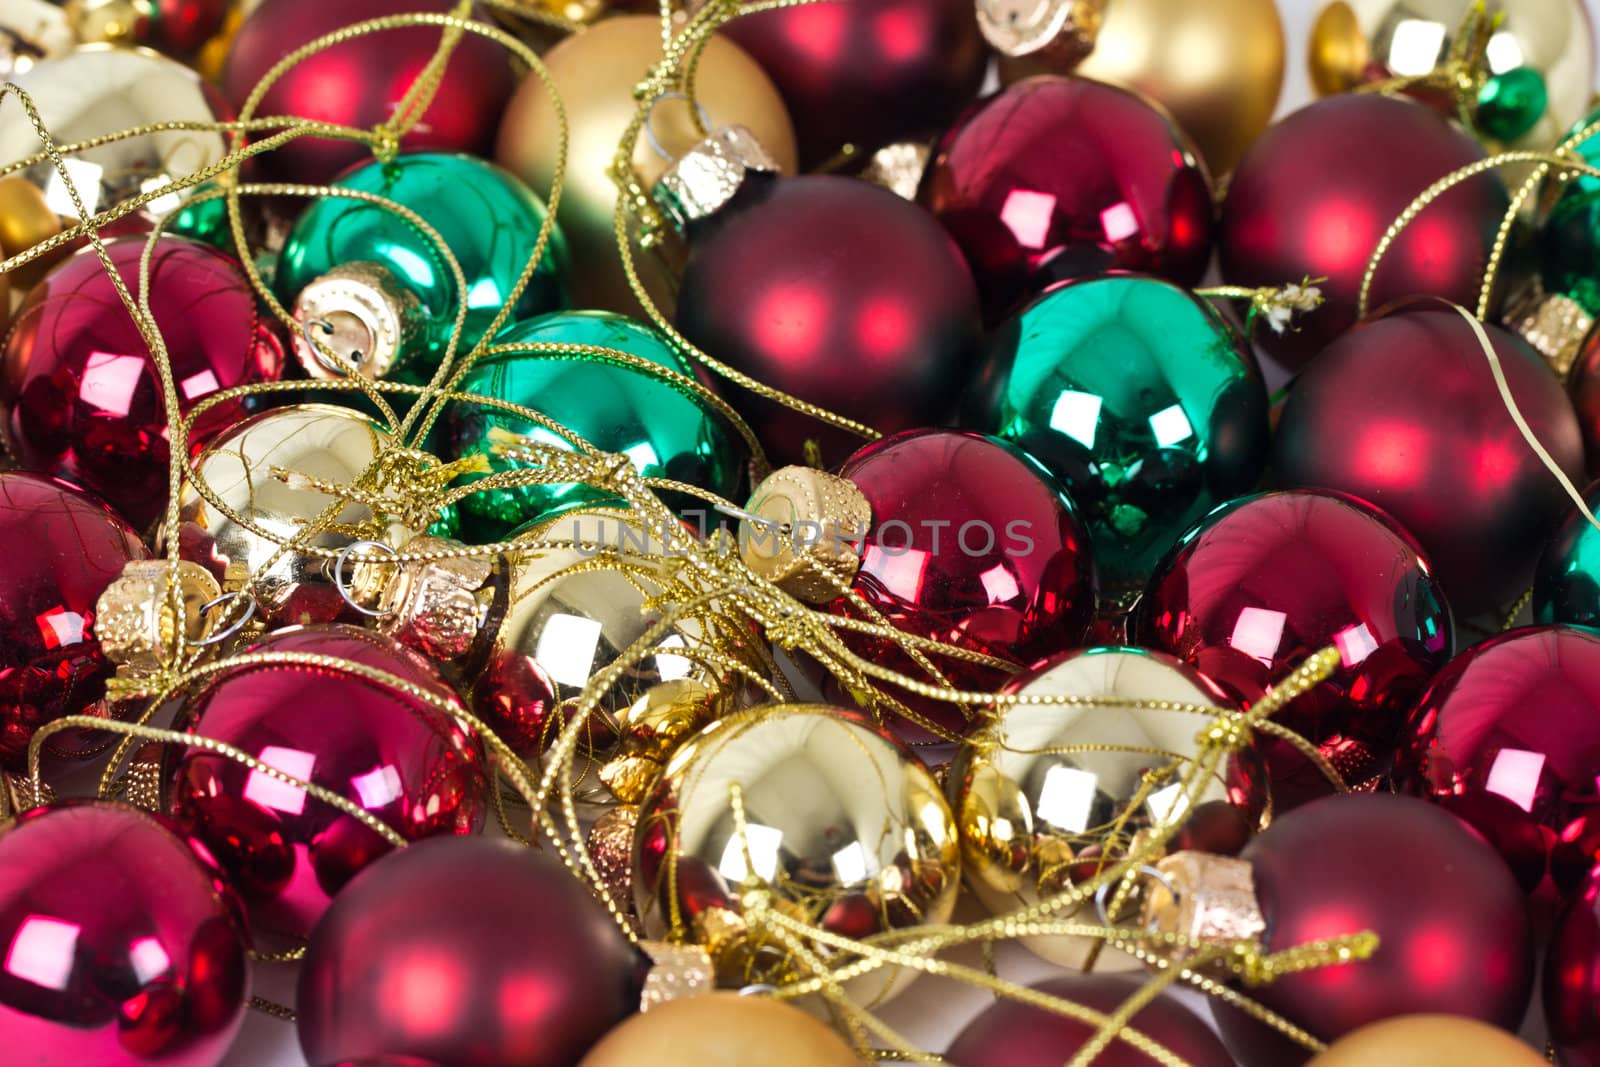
(1403, 412)
(121, 946)
(1453, 931)
(1264, 582)
(1313, 196)
(1583, 386)
(1057, 178)
(415, 768)
(837, 292)
(1571, 986)
(61, 548)
(866, 72)
(1013, 1034)
(973, 544)
(359, 82)
(81, 384)
(1508, 739)
(183, 26)
(467, 951)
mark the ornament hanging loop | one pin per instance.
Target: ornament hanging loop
(234, 627)
(1103, 894)
(345, 583)
(702, 118)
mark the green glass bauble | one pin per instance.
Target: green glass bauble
(489, 220)
(1566, 585)
(1569, 237)
(1511, 104)
(1140, 398)
(663, 427)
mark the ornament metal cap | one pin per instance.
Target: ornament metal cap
(364, 314)
(133, 617)
(1554, 324)
(433, 607)
(801, 531)
(899, 167)
(702, 181)
(1062, 32)
(1205, 897)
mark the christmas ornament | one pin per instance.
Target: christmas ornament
(247, 472)
(179, 27)
(359, 81)
(869, 312)
(81, 383)
(866, 74)
(1507, 738)
(1565, 240)
(1056, 178)
(96, 90)
(721, 1030)
(1570, 978)
(1583, 383)
(595, 72)
(1566, 584)
(1404, 413)
(1222, 93)
(1012, 1034)
(62, 548)
(1541, 51)
(841, 826)
(1140, 398)
(413, 767)
(1051, 794)
(1301, 205)
(1268, 580)
(27, 219)
(468, 951)
(1428, 1041)
(971, 544)
(489, 222)
(1452, 926)
(123, 947)
(31, 33)
(662, 426)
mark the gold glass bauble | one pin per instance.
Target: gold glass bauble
(1217, 65)
(332, 444)
(1429, 1041)
(721, 1030)
(595, 72)
(842, 827)
(1355, 41)
(31, 30)
(1051, 792)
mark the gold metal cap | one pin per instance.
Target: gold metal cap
(701, 181)
(1206, 897)
(361, 312)
(899, 167)
(1554, 324)
(132, 617)
(1062, 32)
(803, 532)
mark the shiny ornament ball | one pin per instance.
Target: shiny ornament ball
(1571, 986)
(1056, 178)
(1302, 205)
(721, 1030)
(410, 765)
(61, 547)
(1264, 582)
(844, 827)
(973, 544)
(1452, 925)
(1140, 397)
(662, 426)
(466, 951)
(1568, 239)
(123, 947)
(1429, 1041)
(359, 81)
(1404, 413)
(864, 73)
(489, 222)
(81, 385)
(595, 72)
(867, 311)
(1011, 1034)
(97, 90)
(1045, 796)
(1508, 739)
(332, 444)
(1566, 583)
(1548, 41)
(1217, 66)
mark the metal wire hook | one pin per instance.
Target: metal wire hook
(316, 348)
(1105, 891)
(233, 628)
(649, 119)
(339, 581)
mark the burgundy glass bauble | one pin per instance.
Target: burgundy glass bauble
(1403, 412)
(119, 946)
(1508, 739)
(1314, 195)
(1055, 178)
(1453, 931)
(1266, 581)
(971, 543)
(1011, 1034)
(1571, 986)
(841, 294)
(866, 72)
(61, 547)
(466, 951)
(418, 770)
(81, 385)
(359, 81)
